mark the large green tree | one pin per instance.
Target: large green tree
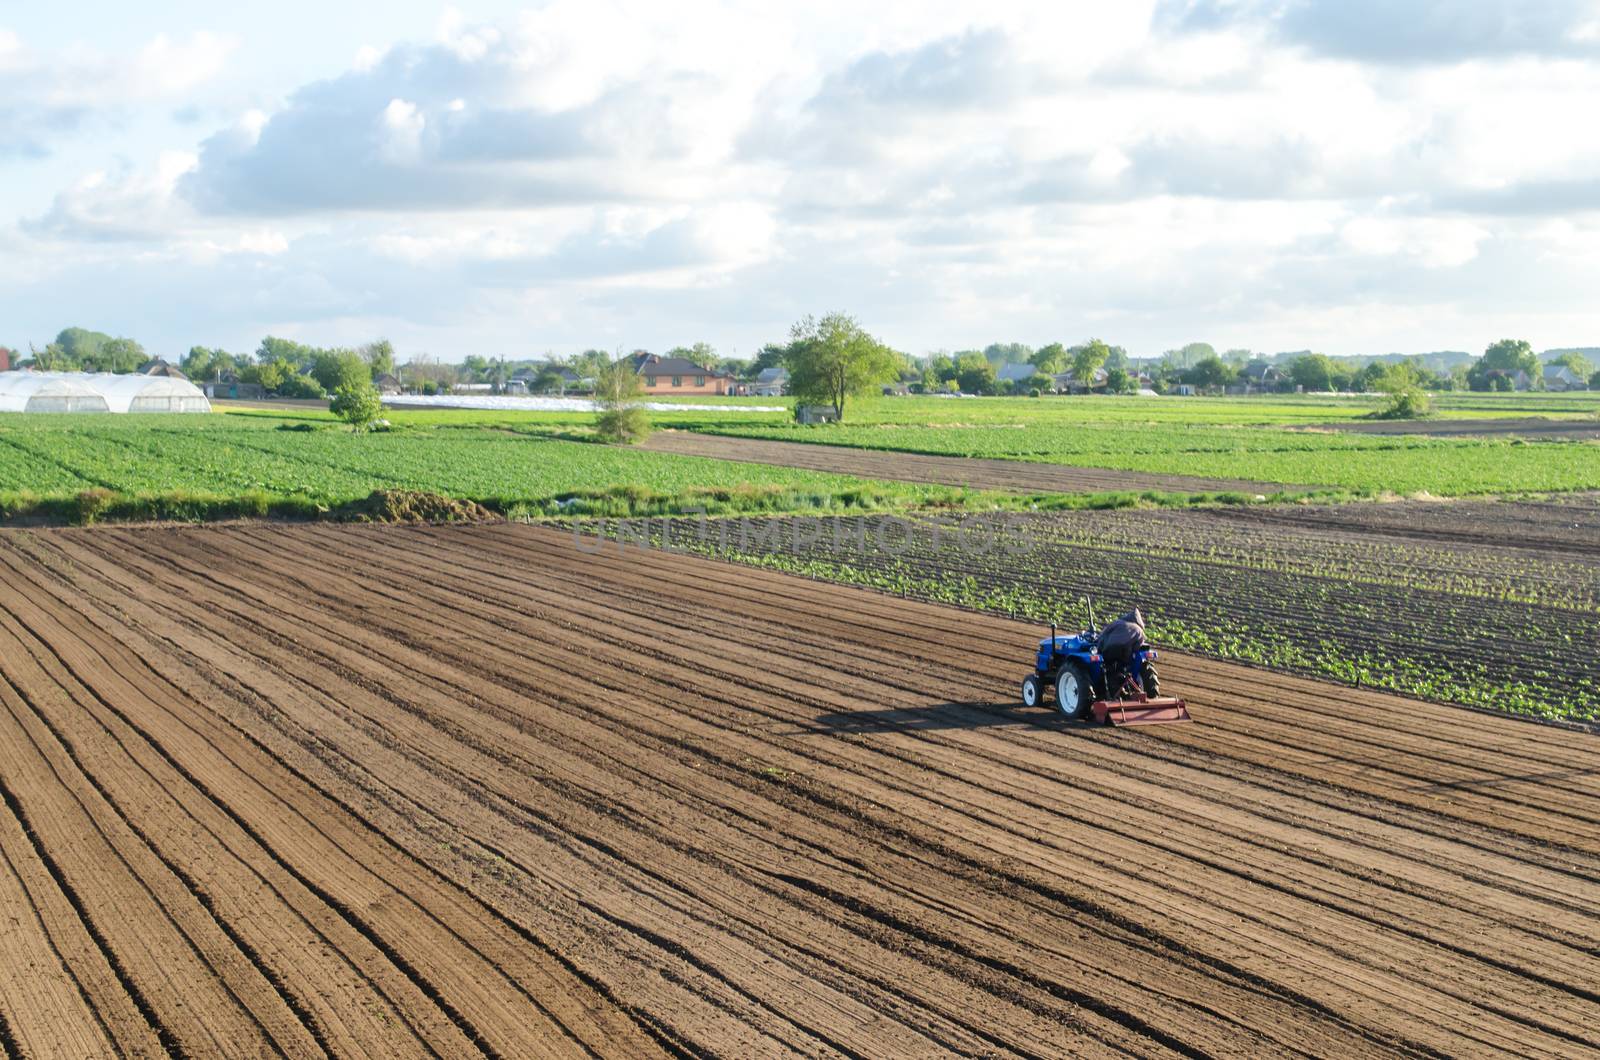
(337, 369)
(1503, 360)
(1008, 352)
(833, 359)
(1575, 362)
(273, 348)
(379, 355)
(202, 363)
(975, 373)
(1315, 372)
(1050, 359)
(80, 343)
(1210, 371)
(1089, 359)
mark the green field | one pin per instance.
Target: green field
(194, 463)
(250, 461)
(1362, 464)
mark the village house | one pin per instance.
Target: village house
(1559, 378)
(678, 375)
(1016, 374)
(1259, 377)
(159, 366)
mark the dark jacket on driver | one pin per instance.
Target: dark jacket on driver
(1123, 637)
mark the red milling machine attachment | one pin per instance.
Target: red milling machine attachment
(1139, 709)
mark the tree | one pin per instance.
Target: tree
(1314, 372)
(1575, 362)
(379, 355)
(1594, 381)
(833, 359)
(548, 379)
(702, 355)
(202, 363)
(617, 389)
(114, 355)
(975, 373)
(1050, 359)
(338, 369)
(77, 344)
(1406, 398)
(1087, 360)
(1503, 360)
(770, 356)
(356, 401)
(1008, 352)
(51, 359)
(1210, 372)
(941, 370)
(1119, 382)
(1118, 358)
(298, 385)
(587, 365)
(276, 349)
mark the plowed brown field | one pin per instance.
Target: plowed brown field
(406, 791)
(974, 472)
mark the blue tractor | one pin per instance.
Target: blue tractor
(1072, 668)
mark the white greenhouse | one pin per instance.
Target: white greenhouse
(40, 392)
(22, 391)
(148, 393)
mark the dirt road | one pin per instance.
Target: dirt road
(405, 791)
(1017, 476)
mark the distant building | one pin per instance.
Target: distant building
(159, 366)
(5, 359)
(1261, 377)
(1068, 382)
(771, 382)
(678, 375)
(1559, 377)
(386, 383)
(1015, 374)
(228, 388)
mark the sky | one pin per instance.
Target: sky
(505, 179)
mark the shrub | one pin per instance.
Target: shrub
(1033, 391)
(624, 425)
(357, 403)
(1407, 404)
(300, 386)
(617, 389)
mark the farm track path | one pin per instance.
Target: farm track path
(1016, 476)
(477, 791)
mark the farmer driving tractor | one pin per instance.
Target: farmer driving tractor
(1118, 642)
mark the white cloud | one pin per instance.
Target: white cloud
(948, 173)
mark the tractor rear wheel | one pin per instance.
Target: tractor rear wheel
(1032, 690)
(1073, 691)
(1152, 681)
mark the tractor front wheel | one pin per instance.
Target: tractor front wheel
(1073, 691)
(1032, 690)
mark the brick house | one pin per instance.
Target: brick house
(678, 375)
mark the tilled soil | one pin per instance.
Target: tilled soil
(1018, 476)
(470, 789)
(1492, 604)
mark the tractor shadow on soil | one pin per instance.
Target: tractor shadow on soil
(937, 716)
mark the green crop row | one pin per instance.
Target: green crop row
(1364, 464)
